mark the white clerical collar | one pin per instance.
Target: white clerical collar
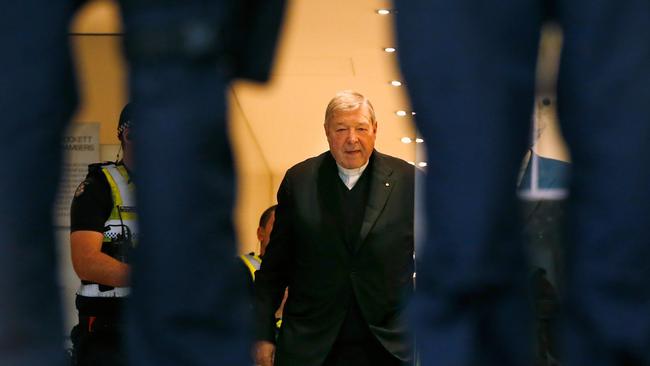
(350, 177)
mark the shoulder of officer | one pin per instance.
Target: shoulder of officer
(98, 166)
(94, 178)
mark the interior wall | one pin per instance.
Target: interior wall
(101, 82)
(254, 179)
(551, 144)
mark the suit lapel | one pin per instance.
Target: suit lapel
(381, 185)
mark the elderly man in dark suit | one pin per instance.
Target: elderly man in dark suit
(343, 244)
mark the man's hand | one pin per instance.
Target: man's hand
(264, 353)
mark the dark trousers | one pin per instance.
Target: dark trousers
(364, 353)
(356, 345)
(97, 342)
(470, 69)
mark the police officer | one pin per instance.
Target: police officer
(251, 261)
(103, 230)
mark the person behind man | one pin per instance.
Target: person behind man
(343, 244)
(102, 232)
(252, 261)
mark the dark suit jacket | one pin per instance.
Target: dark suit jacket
(307, 252)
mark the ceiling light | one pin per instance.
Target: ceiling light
(419, 140)
(395, 83)
(422, 164)
(406, 140)
(401, 113)
(383, 11)
(390, 49)
(412, 113)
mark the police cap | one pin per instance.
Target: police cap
(125, 120)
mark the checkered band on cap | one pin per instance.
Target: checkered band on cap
(125, 120)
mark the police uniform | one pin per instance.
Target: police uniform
(104, 202)
(251, 263)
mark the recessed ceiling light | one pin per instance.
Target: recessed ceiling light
(422, 164)
(419, 140)
(401, 113)
(383, 11)
(412, 113)
(395, 83)
(406, 140)
(390, 49)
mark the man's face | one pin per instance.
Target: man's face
(351, 137)
(264, 233)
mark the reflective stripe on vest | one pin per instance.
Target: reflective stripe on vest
(122, 213)
(123, 194)
(253, 263)
(92, 290)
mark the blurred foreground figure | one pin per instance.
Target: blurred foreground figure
(186, 308)
(470, 69)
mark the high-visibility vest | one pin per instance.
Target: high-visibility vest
(121, 226)
(252, 262)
